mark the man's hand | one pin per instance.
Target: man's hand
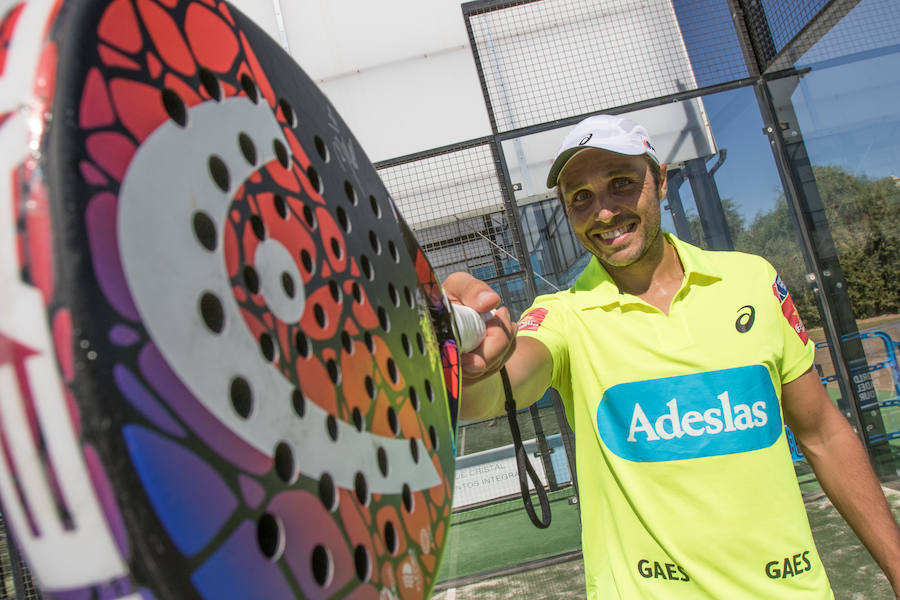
(499, 337)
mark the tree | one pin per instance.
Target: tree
(864, 217)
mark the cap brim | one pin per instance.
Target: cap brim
(559, 163)
(564, 157)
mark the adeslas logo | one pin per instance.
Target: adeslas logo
(691, 416)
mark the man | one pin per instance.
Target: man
(678, 369)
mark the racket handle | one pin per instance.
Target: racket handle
(470, 325)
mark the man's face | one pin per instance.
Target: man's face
(612, 201)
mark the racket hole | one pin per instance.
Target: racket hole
(321, 566)
(205, 230)
(370, 387)
(335, 290)
(320, 316)
(336, 249)
(374, 242)
(407, 497)
(343, 220)
(351, 193)
(357, 419)
(394, 296)
(392, 248)
(382, 461)
(393, 422)
(249, 88)
(392, 371)
(248, 148)
(212, 312)
(376, 208)
(298, 402)
(174, 106)
(414, 398)
(347, 342)
(366, 265)
(267, 347)
(280, 205)
(241, 397)
(314, 179)
(210, 83)
(321, 148)
(270, 536)
(306, 261)
(356, 291)
(429, 391)
(284, 462)
(301, 343)
(327, 493)
(281, 153)
(258, 227)
(420, 342)
(407, 347)
(309, 216)
(251, 279)
(407, 295)
(287, 284)
(432, 435)
(370, 342)
(414, 449)
(363, 563)
(219, 172)
(331, 427)
(384, 320)
(390, 537)
(334, 372)
(287, 111)
(361, 489)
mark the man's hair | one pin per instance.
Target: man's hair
(655, 170)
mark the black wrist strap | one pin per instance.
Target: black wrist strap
(523, 464)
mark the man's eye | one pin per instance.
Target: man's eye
(622, 184)
(581, 196)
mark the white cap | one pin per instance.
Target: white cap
(606, 132)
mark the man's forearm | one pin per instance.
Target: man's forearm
(843, 470)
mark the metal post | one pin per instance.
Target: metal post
(709, 206)
(544, 450)
(820, 255)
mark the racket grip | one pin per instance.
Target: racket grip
(470, 325)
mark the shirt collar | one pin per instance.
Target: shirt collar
(698, 269)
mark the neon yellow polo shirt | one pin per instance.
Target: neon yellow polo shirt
(686, 482)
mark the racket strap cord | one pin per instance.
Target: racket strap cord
(526, 470)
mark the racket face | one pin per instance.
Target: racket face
(226, 367)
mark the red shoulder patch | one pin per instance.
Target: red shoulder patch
(532, 319)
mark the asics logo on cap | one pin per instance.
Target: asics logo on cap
(585, 139)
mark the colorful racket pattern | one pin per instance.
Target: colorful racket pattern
(227, 369)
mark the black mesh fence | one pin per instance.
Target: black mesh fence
(551, 59)
(787, 17)
(15, 578)
(870, 28)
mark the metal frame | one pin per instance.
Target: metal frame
(766, 65)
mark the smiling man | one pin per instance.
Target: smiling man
(679, 369)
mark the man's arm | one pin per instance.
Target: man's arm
(839, 460)
(528, 362)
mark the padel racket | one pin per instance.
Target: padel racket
(227, 370)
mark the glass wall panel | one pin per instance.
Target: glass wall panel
(845, 111)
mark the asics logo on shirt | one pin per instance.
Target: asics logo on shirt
(691, 416)
(746, 316)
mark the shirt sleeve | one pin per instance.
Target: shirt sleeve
(798, 350)
(545, 321)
